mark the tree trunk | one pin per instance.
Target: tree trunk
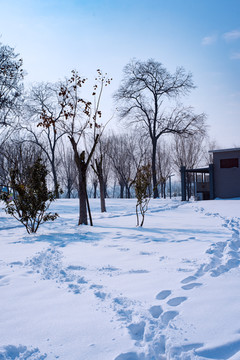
(99, 171)
(102, 195)
(82, 197)
(128, 192)
(121, 190)
(105, 189)
(95, 189)
(114, 189)
(55, 180)
(101, 184)
(69, 190)
(82, 183)
(154, 176)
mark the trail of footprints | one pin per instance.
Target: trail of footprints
(150, 329)
(223, 257)
(149, 326)
(144, 326)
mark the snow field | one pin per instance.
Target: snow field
(116, 292)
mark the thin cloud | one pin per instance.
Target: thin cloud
(208, 40)
(232, 35)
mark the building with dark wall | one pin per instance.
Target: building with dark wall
(219, 180)
(226, 165)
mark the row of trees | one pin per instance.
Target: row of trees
(113, 168)
(55, 122)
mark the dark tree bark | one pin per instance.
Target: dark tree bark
(83, 218)
(122, 186)
(82, 165)
(95, 189)
(82, 184)
(99, 172)
(154, 172)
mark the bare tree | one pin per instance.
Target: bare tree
(43, 102)
(80, 121)
(188, 151)
(146, 88)
(209, 145)
(67, 170)
(126, 158)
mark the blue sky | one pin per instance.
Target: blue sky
(203, 36)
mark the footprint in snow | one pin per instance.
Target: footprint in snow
(81, 280)
(168, 316)
(176, 301)
(137, 330)
(100, 294)
(74, 288)
(156, 311)
(75, 267)
(163, 294)
(188, 279)
(191, 286)
(123, 308)
(232, 263)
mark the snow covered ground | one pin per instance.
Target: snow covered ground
(169, 290)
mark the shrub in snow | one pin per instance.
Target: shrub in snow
(142, 183)
(31, 197)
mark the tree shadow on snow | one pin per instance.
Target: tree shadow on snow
(64, 239)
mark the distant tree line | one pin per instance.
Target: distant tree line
(57, 123)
